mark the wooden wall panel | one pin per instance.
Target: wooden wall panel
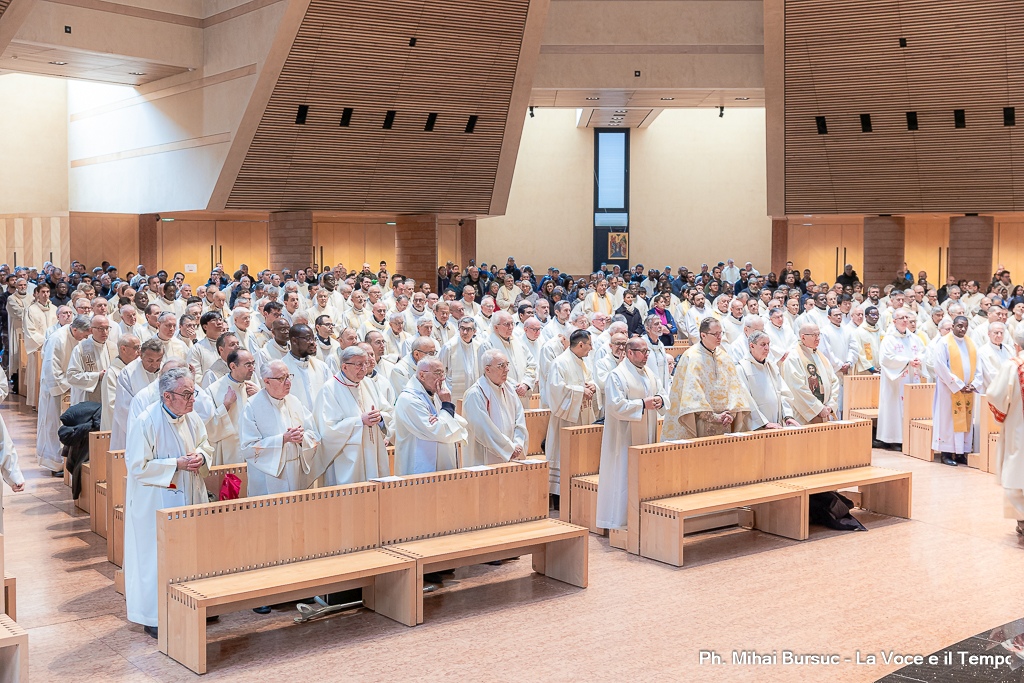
(239, 242)
(96, 237)
(824, 248)
(33, 239)
(416, 240)
(1008, 250)
(884, 241)
(971, 239)
(184, 242)
(844, 59)
(290, 235)
(927, 246)
(355, 243)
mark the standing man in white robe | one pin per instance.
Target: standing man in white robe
(167, 456)
(351, 423)
(278, 438)
(993, 354)
(203, 353)
(902, 362)
(403, 371)
(559, 322)
(461, 357)
(781, 334)
(771, 407)
(522, 370)
(17, 303)
(135, 377)
(958, 380)
(810, 379)
(39, 317)
(89, 362)
(634, 397)
(166, 326)
(494, 414)
(572, 397)
(427, 430)
(9, 467)
(230, 395)
(1004, 400)
(128, 349)
(227, 344)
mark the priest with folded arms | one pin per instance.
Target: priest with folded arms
(958, 379)
(135, 377)
(427, 430)
(902, 360)
(1004, 400)
(351, 423)
(167, 456)
(634, 397)
(572, 398)
(230, 395)
(278, 437)
(494, 413)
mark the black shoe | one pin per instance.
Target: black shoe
(554, 501)
(496, 563)
(946, 460)
(212, 620)
(61, 474)
(151, 631)
(262, 610)
(895, 447)
(433, 577)
(960, 459)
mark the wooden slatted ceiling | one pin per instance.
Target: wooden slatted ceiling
(358, 55)
(843, 59)
(3, 6)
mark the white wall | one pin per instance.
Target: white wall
(34, 145)
(697, 193)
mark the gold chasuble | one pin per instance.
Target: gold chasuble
(705, 383)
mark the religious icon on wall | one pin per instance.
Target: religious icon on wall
(618, 245)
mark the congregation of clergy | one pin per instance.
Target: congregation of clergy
(309, 376)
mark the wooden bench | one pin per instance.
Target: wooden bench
(117, 476)
(537, 429)
(771, 472)
(678, 348)
(209, 565)
(919, 442)
(917, 405)
(13, 638)
(457, 518)
(860, 392)
(215, 481)
(99, 444)
(581, 457)
(920, 437)
(11, 596)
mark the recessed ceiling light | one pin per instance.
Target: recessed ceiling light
(742, 99)
(667, 98)
(620, 111)
(593, 98)
(58, 63)
(136, 73)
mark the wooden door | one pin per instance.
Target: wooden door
(239, 242)
(1008, 250)
(926, 246)
(187, 243)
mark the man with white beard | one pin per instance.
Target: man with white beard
(522, 369)
(310, 374)
(427, 430)
(39, 317)
(494, 415)
(760, 375)
(405, 369)
(572, 398)
(351, 423)
(993, 354)
(230, 395)
(167, 456)
(461, 357)
(89, 362)
(278, 438)
(634, 397)
(135, 377)
(53, 385)
(128, 348)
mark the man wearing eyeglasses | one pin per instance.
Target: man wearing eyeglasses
(496, 423)
(128, 349)
(811, 379)
(326, 345)
(230, 395)
(167, 455)
(309, 373)
(89, 362)
(522, 370)
(427, 430)
(405, 368)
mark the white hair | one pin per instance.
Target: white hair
(491, 356)
(267, 370)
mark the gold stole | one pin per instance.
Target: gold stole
(962, 403)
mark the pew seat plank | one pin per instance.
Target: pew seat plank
(13, 651)
(864, 414)
(391, 586)
(559, 550)
(882, 490)
(779, 510)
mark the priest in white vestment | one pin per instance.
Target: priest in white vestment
(771, 406)
(395, 336)
(352, 424)
(168, 456)
(993, 354)
(310, 374)
(39, 317)
(403, 371)
(278, 437)
(495, 419)
(633, 399)
(203, 353)
(230, 395)
(658, 361)
(559, 323)
(572, 398)
(958, 380)
(9, 467)
(550, 350)
(135, 377)
(128, 349)
(811, 380)
(902, 359)
(17, 303)
(867, 339)
(227, 344)
(781, 334)
(174, 346)
(427, 430)
(522, 371)
(1004, 400)
(610, 360)
(461, 357)
(89, 362)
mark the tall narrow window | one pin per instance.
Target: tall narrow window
(611, 197)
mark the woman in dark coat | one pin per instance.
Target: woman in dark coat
(634, 321)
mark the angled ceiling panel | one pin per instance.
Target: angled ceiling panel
(358, 56)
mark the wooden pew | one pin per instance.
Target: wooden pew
(99, 444)
(457, 518)
(677, 349)
(217, 474)
(579, 466)
(84, 500)
(206, 556)
(117, 475)
(920, 435)
(11, 596)
(537, 428)
(534, 401)
(917, 405)
(773, 472)
(13, 638)
(860, 392)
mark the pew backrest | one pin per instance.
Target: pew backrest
(536, 429)
(99, 444)
(859, 392)
(580, 456)
(219, 472)
(117, 470)
(441, 503)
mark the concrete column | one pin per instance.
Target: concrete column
(290, 237)
(971, 241)
(884, 243)
(416, 247)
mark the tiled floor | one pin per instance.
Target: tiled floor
(907, 586)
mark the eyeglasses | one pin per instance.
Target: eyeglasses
(286, 378)
(642, 352)
(501, 366)
(186, 395)
(250, 364)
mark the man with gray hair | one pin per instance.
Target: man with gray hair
(427, 430)
(135, 377)
(128, 348)
(461, 357)
(405, 369)
(1005, 401)
(89, 362)
(770, 405)
(522, 369)
(496, 423)
(395, 336)
(740, 348)
(53, 385)
(167, 456)
(993, 354)
(352, 423)
(902, 356)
